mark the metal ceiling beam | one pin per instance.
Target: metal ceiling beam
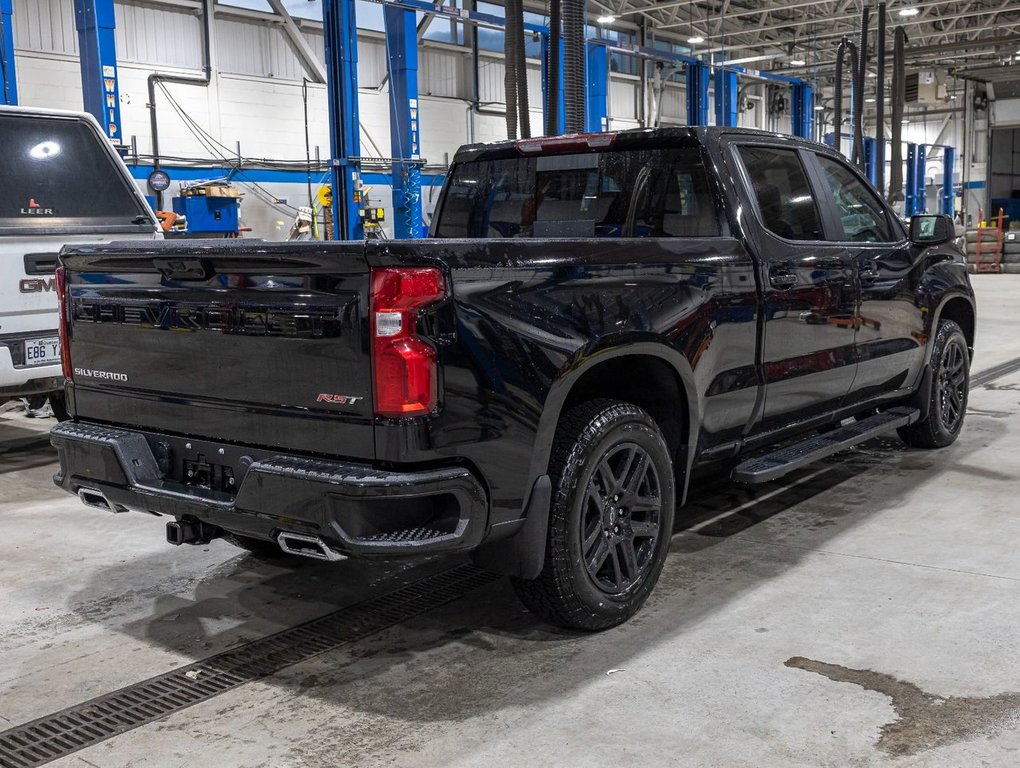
(309, 61)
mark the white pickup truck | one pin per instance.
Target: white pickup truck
(61, 181)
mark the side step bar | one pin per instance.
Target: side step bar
(771, 466)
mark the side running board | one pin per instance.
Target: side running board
(771, 466)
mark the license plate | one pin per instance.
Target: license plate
(42, 351)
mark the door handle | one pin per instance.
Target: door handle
(868, 273)
(780, 278)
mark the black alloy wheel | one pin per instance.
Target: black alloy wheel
(611, 517)
(945, 400)
(620, 527)
(952, 384)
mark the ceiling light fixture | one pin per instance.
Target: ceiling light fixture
(819, 107)
(695, 40)
(911, 11)
(797, 62)
(605, 19)
(870, 100)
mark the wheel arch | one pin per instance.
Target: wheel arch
(650, 374)
(960, 309)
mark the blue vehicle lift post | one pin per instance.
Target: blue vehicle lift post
(97, 46)
(802, 105)
(726, 89)
(948, 195)
(920, 196)
(697, 93)
(341, 43)
(597, 91)
(402, 64)
(871, 159)
(8, 66)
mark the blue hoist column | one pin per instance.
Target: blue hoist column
(8, 67)
(802, 110)
(597, 102)
(697, 93)
(726, 90)
(341, 38)
(97, 47)
(402, 63)
(948, 197)
(871, 158)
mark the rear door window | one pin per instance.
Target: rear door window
(639, 193)
(55, 174)
(780, 184)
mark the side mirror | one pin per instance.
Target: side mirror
(931, 229)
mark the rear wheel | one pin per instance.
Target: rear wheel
(611, 517)
(948, 391)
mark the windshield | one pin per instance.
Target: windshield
(56, 175)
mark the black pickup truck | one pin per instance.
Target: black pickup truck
(591, 319)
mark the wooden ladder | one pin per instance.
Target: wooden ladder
(989, 247)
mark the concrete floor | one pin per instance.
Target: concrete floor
(862, 612)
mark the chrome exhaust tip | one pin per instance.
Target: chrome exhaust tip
(90, 497)
(307, 546)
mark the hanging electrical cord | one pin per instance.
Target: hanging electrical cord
(308, 156)
(860, 75)
(846, 47)
(880, 102)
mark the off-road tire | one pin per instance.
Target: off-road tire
(589, 439)
(947, 392)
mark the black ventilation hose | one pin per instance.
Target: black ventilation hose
(521, 60)
(552, 100)
(510, 70)
(573, 65)
(860, 78)
(880, 103)
(898, 98)
(837, 97)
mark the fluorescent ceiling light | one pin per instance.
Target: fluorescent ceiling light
(911, 11)
(751, 59)
(870, 100)
(605, 19)
(797, 62)
(695, 40)
(819, 107)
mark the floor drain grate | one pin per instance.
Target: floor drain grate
(82, 725)
(989, 375)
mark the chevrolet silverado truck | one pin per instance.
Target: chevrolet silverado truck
(60, 181)
(591, 319)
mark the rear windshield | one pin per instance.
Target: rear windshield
(55, 174)
(646, 193)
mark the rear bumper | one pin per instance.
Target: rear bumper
(354, 508)
(19, 380)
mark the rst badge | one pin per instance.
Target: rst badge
(338, 399)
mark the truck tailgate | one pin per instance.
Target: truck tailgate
(262, 344)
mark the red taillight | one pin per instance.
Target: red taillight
(404, 368)
(62, 327)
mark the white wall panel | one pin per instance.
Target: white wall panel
(157, 35)
(623, 99)
(442, 73)
(45, 25)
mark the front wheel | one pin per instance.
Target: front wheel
(611, 518)
(947, 393)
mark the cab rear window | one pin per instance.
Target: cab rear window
(55, 174)
(636, 193)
